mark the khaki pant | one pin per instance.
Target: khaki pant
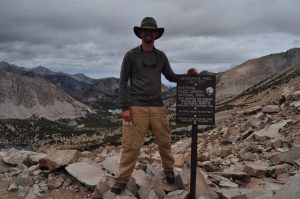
(144, 118)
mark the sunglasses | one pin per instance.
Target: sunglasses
(149, 59)
(147, 30)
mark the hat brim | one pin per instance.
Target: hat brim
(137, 29)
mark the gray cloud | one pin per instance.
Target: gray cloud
(92, 36)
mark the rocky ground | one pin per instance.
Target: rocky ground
(254, 153)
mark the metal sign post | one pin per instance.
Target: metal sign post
(193, 162)
(195, 104)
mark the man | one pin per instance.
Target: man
(142, 105)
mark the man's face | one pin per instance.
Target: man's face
(148, 35)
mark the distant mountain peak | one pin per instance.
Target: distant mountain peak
(80, 75)
(83, 78)
(4, 64)
(41, 67)
(41, 70)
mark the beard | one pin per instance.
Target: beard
(148, 38)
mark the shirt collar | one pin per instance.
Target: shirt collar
(141, 48)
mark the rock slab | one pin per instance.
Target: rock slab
(287, 157)
(291, 189)
(112, 164)
(86, 173)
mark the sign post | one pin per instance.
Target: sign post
(193, 162)
(195, 105)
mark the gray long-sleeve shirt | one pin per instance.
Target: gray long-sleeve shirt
(145, 80)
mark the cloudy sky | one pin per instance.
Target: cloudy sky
(91, 36)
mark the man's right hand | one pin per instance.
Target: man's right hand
(127, 115)
(192, 72)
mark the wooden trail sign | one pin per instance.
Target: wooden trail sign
(195, 104)
(195, 100)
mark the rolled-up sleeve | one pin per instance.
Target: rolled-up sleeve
(124, 77)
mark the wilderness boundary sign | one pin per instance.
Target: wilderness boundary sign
(195, 99)
(195, 104)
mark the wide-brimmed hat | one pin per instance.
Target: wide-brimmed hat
(148, 23)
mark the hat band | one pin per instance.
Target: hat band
(148, 25)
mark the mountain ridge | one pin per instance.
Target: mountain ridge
(232, 82)
(93, 92)
(22, 97)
